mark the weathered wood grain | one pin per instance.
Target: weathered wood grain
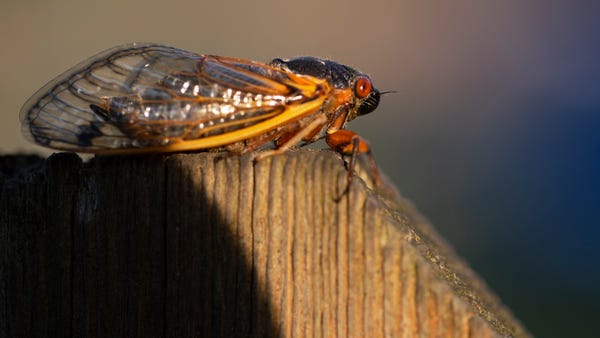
(216, 245)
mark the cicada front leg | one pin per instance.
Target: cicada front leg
(349, 143)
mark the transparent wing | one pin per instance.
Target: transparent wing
(140, 95)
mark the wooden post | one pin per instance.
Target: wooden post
(199, 245)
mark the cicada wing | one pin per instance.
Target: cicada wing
(146, 95)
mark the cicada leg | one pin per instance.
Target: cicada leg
(293, 138)
(350, 143)
(251, 144)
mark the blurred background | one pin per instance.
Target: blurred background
(494, 132)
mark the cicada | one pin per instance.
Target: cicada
(148, 98)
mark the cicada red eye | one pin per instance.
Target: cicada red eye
(362, 87)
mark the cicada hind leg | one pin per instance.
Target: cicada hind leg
(251, 144)
(289, 138)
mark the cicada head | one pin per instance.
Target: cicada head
(364, 96)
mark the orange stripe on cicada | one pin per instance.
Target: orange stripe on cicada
(142, 98)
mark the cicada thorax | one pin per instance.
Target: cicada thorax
(352, 93)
